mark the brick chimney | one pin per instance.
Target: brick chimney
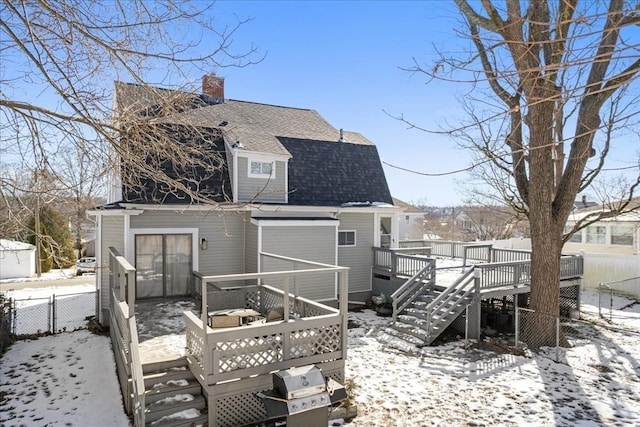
(213, 86)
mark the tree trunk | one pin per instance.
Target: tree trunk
(546, 237)
(545, 288)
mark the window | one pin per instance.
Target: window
(346, 238)
(576, 237)
(622, 235)
(597, 234)
(261, 169)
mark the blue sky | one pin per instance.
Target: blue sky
(343, 59)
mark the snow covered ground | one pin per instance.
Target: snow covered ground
(69, 379)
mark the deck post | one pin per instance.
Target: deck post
(131, 295)
(343, 277)
(475, 309)
(286, 300)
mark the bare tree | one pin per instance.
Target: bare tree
(493, 222)
(551, 81)
(60, 60)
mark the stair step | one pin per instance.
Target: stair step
(410, 330)
(412, 320)
(175, 386)
(164, 365)
(174, 406)
(182, 419)
(175, 373)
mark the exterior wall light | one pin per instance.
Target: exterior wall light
(203, 244)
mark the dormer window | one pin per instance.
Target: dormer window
(262, 169)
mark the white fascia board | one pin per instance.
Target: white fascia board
(263, 222)
(259, 155)
(138, 208)
(327, 209)
(184, 208)
(113, 212)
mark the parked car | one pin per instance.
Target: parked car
(86, 265)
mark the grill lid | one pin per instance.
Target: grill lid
(303, 381)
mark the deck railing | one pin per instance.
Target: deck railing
(506, 255)
(416, 285)
(469, 251)
(309, 332)
(124, 335)
(403, 262)
(515, 273)
(502, 264)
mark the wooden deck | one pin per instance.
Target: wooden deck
(232, 364)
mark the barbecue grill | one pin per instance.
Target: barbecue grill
(303, 396)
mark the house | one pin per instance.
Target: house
(410, 220)
(280, 180)
(240, 205)
(17, 259)
(611, 248)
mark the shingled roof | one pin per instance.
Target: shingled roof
(255, 125)
(323, 171)
(326, 173)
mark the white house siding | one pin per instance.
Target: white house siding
(358, 258)
(313, 243)
(606, 268)
(259, 189)
(224, 231)
(112, 229)
(17, 259)
(251, 248)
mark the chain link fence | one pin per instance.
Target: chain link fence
(54, 314)
(533, 329)
(607, 291)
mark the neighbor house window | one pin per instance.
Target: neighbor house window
(622, 235)
(597, 234)
(346, 238)
(261, 169)
(576, 237)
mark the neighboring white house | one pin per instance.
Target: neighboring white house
(611, 249)
(410, 221)
(17, 259)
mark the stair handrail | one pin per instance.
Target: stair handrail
(137, 377)
(409, 287)
(445, 295)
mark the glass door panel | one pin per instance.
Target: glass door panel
(149, 266)
(385, 232)
(177, 264)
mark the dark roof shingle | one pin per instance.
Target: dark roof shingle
(325, 173)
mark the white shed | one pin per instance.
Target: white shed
(17, 259)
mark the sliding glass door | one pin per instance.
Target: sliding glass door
(163, 265)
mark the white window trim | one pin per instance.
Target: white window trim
(272, 175)
(195, 254)
(611, 227)
(355, 238)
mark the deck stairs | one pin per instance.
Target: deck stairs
(421, 316)
(173, 397)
